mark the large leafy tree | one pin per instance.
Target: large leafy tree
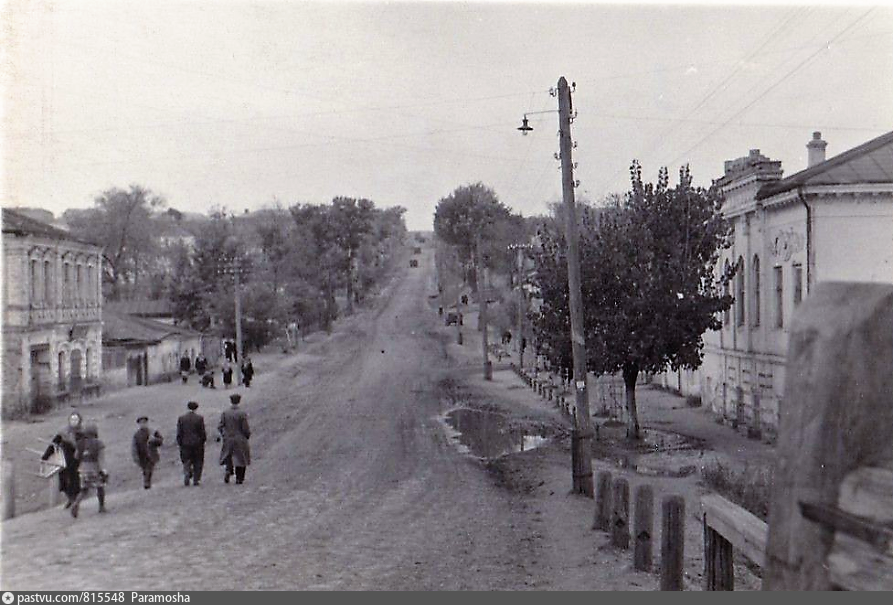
(351, 221)
(649, 287)
(472, 219)
(122, 221)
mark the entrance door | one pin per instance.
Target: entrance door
(76, 379)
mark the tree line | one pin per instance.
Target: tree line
(294, 263)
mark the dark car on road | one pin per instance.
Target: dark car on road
(413, 263)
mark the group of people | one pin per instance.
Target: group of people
(206, 374)
(84, 453)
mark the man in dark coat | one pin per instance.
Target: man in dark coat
(145, 449)
(247, 372)
(185, 366)
(191, 437)
(235, 452)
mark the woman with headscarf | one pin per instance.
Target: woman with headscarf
(67, 441)
(91, 455)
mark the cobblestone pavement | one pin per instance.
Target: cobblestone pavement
(354, 483)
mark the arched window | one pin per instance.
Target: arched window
(755, 312)
(35, 282)
(726, 315)
(740, 298)
(48, 282)
(61, 371)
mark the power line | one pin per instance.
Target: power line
(772, 87)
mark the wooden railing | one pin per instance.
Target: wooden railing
(728, 527)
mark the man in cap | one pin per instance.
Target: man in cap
(145, 449)
(191, 437)
(235, 453)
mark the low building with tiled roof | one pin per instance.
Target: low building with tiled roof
(138, 351)
(832, 221)
(52, 311)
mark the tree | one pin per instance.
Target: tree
(351, 221)
(122, 222)
(649, 285)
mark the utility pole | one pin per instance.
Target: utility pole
(480, 275)
(459, 282)
(582, 438)
(521, 306)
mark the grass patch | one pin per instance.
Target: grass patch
(748, 488)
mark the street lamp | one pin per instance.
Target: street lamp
(581, 453)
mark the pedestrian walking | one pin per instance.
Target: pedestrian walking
(145, 449)
(191, 437)
(247, 372)
(67, 441)
(91, 457)
(235, 453)
(185, 366)
(227, 372)
(201, 365)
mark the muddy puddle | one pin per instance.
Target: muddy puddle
(657, 453)
(488, 434)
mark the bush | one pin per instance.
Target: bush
(749, 488)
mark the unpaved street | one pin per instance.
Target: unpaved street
(354, 485)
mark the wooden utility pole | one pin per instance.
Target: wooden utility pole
(521, 305)
(480, 275)
(459, 282)
(237, 269)
(583, 424)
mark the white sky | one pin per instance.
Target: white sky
(237, 103)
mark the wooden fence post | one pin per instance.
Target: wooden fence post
(603, 502)
(672, 548)
(836, 418)
(7, 486)
(719, 574)
(643, 528)
(53, 491)
(620, 517)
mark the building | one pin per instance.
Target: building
(832, 221)
(52, 309)
(138, 351)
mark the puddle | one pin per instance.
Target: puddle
(487, 434)
(657, 453)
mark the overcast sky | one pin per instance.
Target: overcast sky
(237, 104)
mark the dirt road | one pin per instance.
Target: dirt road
(355, 484)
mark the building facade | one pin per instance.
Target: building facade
(52, 315)
(830, 222)
(139, 351)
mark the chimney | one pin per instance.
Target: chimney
(816, 149)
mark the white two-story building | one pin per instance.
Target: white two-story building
(832, 221)
(52, 315)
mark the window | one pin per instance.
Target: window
(798, 284)
(779, 297)
(48, 282)
(35, 289)
(755, 312)
(89, 363)
(726, 315)
(89, 296)
(79, 280)
(62, 370)
(66, 284)
(740, 299)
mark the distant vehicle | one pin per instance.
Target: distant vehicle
(452, 318)
(413, 263)
(416, 250)
(421, 239)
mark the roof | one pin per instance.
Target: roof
(123, 328)
(140, 307)
(19, 224)
(870, 162)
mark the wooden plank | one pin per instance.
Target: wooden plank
(672, 548)
(868, 492)
(744, 530)
(855, 565)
